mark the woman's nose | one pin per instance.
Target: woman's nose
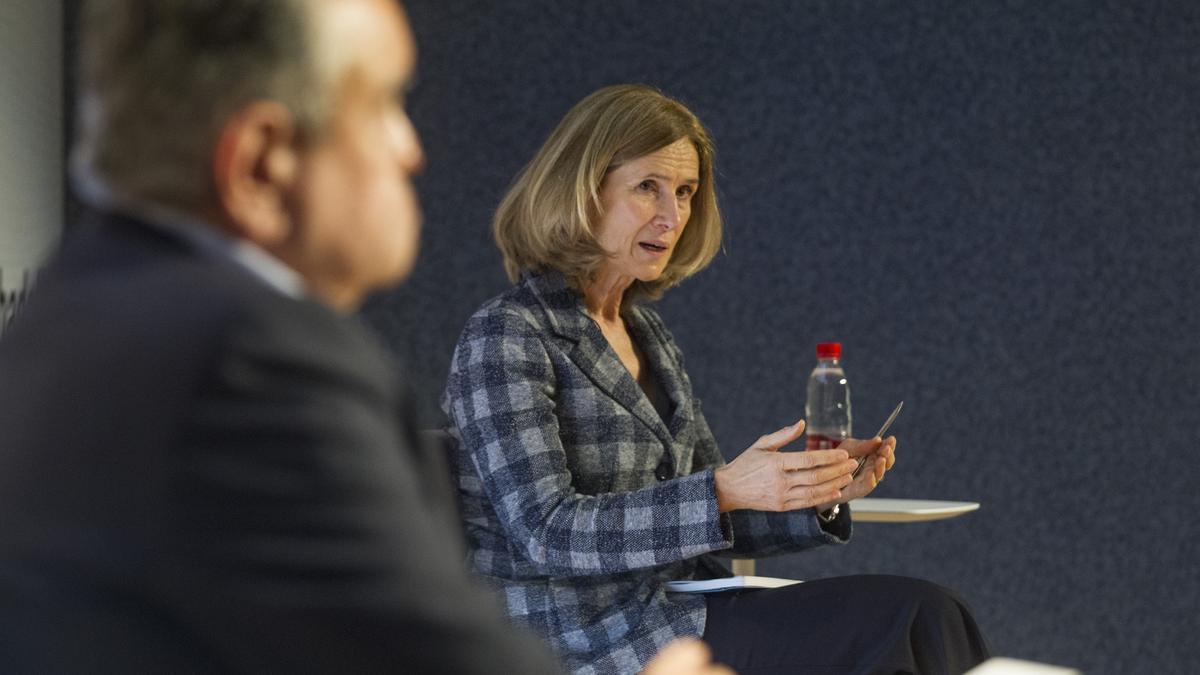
(668, 212)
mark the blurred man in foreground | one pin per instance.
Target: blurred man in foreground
(206, 463)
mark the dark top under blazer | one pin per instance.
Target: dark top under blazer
(580, 502)
(201, 474)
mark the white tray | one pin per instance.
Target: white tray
(870, 510)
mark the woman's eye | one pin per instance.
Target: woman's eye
(648, 185)
(685, 192)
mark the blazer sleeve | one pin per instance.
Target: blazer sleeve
(500, 396)
(755, 533)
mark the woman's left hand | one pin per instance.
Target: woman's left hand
(881, 457)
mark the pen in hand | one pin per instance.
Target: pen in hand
(882, 430)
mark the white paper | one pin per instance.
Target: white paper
(727, 584)
(1003, 666)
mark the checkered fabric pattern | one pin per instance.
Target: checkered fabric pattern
(579, 500)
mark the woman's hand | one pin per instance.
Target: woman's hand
(764, 479)
(881, 457)
(685, 656)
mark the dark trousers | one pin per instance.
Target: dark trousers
(859, 624)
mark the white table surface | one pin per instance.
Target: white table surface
(872, 510)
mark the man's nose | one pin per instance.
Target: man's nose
(409, 152)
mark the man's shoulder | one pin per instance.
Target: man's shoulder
(126, 262)
(129, 261)
(127, 289)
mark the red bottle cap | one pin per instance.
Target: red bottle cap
(829, 350)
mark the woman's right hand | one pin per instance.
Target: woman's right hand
(764, 479)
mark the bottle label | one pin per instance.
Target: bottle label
(822, 442)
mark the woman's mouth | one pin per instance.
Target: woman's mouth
(656, 249)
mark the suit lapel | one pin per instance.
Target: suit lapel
(591, 352)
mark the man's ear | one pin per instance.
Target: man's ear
(254, 168)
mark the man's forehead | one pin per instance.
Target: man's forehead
(370, 37)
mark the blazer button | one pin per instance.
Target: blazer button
(663, 472)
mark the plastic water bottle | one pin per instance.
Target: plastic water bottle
(827, 412)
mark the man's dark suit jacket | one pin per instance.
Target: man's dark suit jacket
(199, 473)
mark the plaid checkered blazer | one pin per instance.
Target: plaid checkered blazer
(579, 501)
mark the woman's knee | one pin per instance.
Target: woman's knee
(912, 587)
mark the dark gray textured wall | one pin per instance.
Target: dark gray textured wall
(992, 204)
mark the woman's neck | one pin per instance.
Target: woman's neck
(602, 297)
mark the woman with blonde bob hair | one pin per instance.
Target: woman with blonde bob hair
(547, 219)
(588, 477)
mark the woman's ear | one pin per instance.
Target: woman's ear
(254, 168)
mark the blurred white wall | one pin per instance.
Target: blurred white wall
(31, 153)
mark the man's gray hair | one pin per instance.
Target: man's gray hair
(159, 79)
